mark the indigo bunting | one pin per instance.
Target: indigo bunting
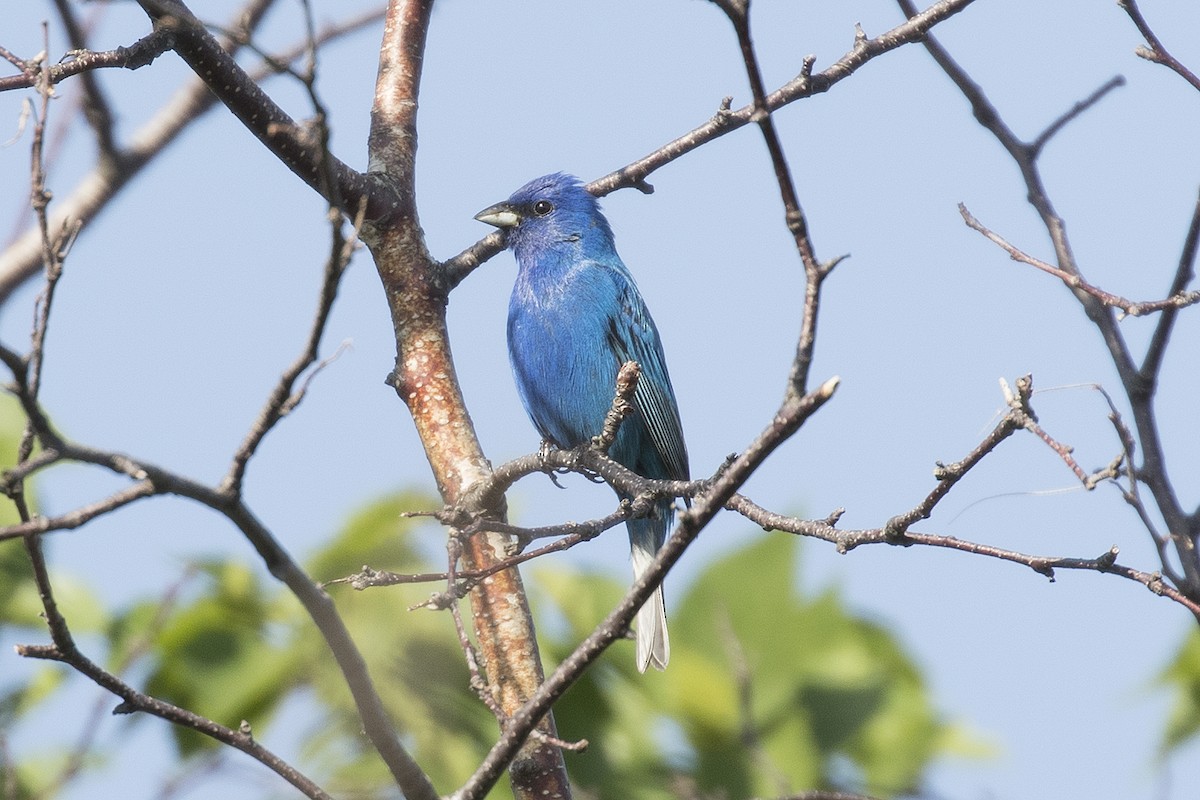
(575, 316)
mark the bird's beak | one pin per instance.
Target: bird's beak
(502, 215)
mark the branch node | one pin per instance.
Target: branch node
(806, 67)
(1141, 51)
(1155, 584)
(438, 601)
(1042, 568)
(943, 472)
(834, 517)
(895, 530)
(827, 267)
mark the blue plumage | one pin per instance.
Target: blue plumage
(575, 316)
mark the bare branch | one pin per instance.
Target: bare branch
(1156, 52)
(316, 602)
(806, 84)
(1177, 299)
(93, 193)
(1184, 529)
(571, 533)
(81, 515)
(788, 419)
(1083, 105)
(1185, 273)
(135, 56)
(286, 139)
(1019, 414)
(285, 396)
(95, 105)
(78, 757)
(814, 272)
(847, 540)
(65, 651)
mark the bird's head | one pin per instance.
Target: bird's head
(548, 212)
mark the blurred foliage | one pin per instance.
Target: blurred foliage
(1182, 678)
(769, 691)
(20, 610)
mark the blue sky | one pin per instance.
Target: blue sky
(160, 345)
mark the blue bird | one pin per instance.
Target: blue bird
(575, 316)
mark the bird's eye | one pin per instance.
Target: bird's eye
(543, 207)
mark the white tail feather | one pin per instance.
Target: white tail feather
(653, 645)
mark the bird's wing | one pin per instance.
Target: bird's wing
(634, 337)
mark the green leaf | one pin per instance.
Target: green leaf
(26, 697)
(768, 692)
(1182, 677)
(414, 657)
(215, 656)
(377, 536)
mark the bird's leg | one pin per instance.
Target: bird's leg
(544, 454)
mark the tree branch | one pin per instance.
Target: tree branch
(787, 421)
(1156, 52)
(64, 650)
(290, 142)
(738, 12)
(1176, 300)
(1184, 530)
(806, 84)
(424, 378)
(21, 260)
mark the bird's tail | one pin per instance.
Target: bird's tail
(645, 537)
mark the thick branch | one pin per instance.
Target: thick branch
(289, 141)
(425, 379)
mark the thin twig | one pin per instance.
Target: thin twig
(1184, 529)
(65, 651)
(78, 756)
(793, 214)
(1035, 147)
(137, 55)
(96, 109)
(285, 397)
(571, 533)
(1176, 300)
(1156, 52)
(316, 602)
(81, 515)
(947, 475)
(847, 540)
(1185, 273)
(96, 190)
(805, 84)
